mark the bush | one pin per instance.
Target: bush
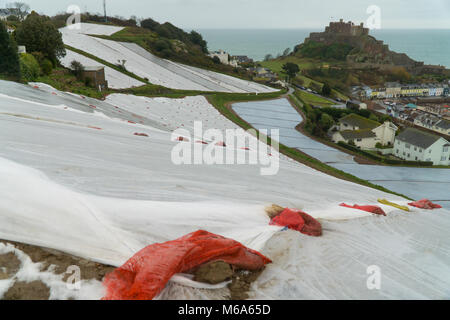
(9, 58)
(29, 67)
(77, 69)
(162, 45)
(39, 34)
(326, 90)
(46, 67)
(326, 121)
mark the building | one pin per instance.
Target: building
(243, 59)
(393, 90)
(97, 76)
(222, 55)
(397, 90)
(347, 28)
(364, 133)
(355, 104)
(416, 145)
(443, 126)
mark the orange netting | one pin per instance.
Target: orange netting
(299, 221)
(370, 209)
(145, 275)
(425, 204)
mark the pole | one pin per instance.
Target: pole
(104, 9)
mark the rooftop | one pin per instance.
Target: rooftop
(418, 138)
(94, 68)
(360, 122)
(357, 134)
(443, 124)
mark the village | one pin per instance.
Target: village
(420, 126)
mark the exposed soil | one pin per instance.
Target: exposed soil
(214, 272)
(10, 264)
(211, 273)
(241, 282)
(219, 271)
(35, 290)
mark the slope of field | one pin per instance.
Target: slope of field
(158, 71)
(76, 178)
(116, 79)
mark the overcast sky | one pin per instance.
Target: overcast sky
(257, 14)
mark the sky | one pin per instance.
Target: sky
(264, 14)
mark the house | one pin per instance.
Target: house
(97, 76)
(393, 90)
(243, 59)
(416, 145)
(443, 126)
(222, 55)
(364, 133)
(357, 105)
(263, 73)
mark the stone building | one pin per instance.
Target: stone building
(97, 76)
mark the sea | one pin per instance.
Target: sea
(430, 46)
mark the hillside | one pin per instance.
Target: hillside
(163, 40)
(114, 192)
(346, 54)
(133, 59)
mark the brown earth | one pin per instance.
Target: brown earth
(37, 290)
(219, 271)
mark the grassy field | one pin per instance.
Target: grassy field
(276, 66)
(313, 99)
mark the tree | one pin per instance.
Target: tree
(38, 34)
(291, 69)
(326, 122)
(286, 52)
(9, 61)
(268, 57)
(326, 89)
(29, 67)
(197, 38)
(19, 9)
(77, 69)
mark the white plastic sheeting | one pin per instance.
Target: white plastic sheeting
(105, 194)
(158, 71)
(116, 79)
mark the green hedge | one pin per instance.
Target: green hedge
(383, 159)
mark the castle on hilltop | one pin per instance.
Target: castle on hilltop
(339, 29)
(347, 28)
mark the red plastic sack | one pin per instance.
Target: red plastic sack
(425, 204)
(370, 209)
(299, 221)
(145, 275)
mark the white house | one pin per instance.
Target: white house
(416, 145)
(222, 55)
(364, 133)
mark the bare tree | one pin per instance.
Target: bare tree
(19, 9)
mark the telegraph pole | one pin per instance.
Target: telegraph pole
(104, 9)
